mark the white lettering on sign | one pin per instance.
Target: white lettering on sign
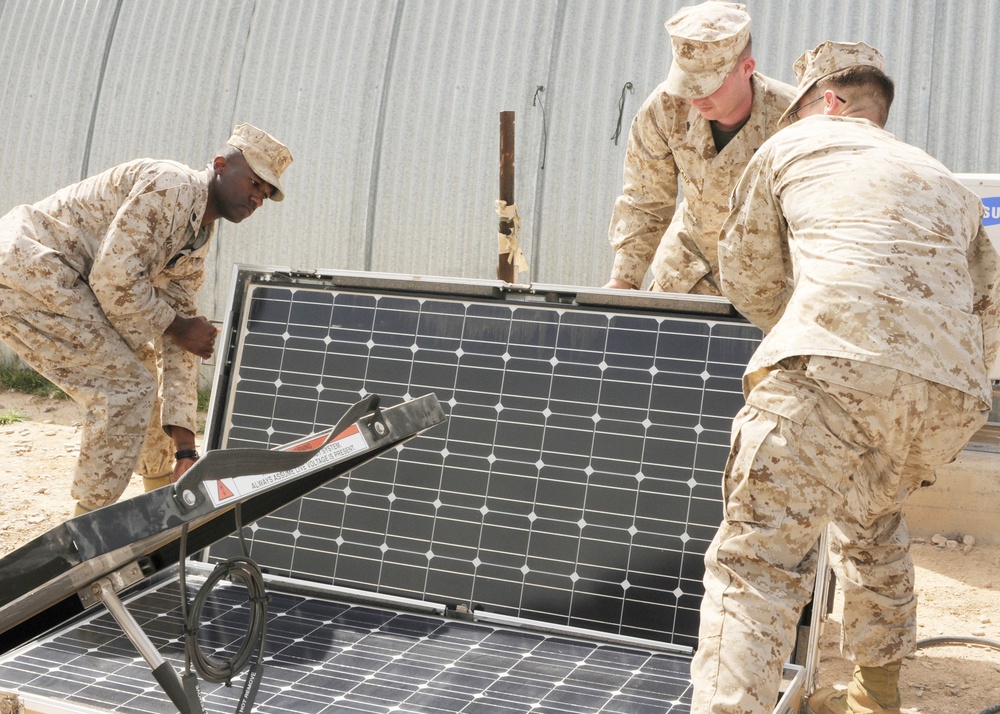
(348, 443)
(991, 210)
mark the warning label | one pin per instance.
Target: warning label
(348, 443)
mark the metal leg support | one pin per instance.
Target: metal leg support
(819, 613)
(164, 674)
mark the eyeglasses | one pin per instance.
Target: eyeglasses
(794, 115)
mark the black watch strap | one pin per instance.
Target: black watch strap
(186, 454)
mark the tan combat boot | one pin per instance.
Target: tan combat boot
(873, 690)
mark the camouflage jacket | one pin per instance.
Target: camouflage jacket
(125, 245)
(671, 142)
(846, 242)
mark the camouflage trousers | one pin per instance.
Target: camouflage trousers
(117, 389)
(821, 443)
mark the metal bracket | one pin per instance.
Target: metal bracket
(116, 581)
(376, 425)
(106, 591)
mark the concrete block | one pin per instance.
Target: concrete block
(965, 500)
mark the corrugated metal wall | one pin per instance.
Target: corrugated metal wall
(391, 109)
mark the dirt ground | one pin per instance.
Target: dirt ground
(958, 587)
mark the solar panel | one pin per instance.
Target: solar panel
(326, 657)
(543, 544)
(576, 481)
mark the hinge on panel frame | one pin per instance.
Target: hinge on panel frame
(298, 274)
(376, 424)
(119, 579)
(461, 611)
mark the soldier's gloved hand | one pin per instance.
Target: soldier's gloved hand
(194, 334)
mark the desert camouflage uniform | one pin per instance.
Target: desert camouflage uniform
(670, 141)
(90, 278)
(866, 263)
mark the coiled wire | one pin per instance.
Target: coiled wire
(241, 570)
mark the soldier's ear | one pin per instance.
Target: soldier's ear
(832, 103)
(219, 163)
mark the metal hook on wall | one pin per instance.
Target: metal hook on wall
(538, 92)
(621, 111)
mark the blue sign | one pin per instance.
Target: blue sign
(991, 211)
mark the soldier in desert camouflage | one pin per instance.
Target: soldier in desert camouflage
(697, 130)
(97, 292)
(866, 264)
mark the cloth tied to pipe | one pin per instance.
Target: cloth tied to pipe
(511, 244)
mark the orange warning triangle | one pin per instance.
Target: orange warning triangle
(224, 492)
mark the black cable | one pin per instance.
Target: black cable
(621, 112)
(212, 669)
(961, 640)
(948, 640)
(242, 570)
(538, 98)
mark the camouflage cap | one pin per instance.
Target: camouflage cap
(707, 40)
(828, 58)
(267, 156)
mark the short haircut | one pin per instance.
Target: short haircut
(228, 152)
(866, 85)
(747, 51)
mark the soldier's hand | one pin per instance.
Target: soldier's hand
(619, 284)
(181, 466)
(194, 334)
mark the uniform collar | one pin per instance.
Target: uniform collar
(699, 129)
(201, 201)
